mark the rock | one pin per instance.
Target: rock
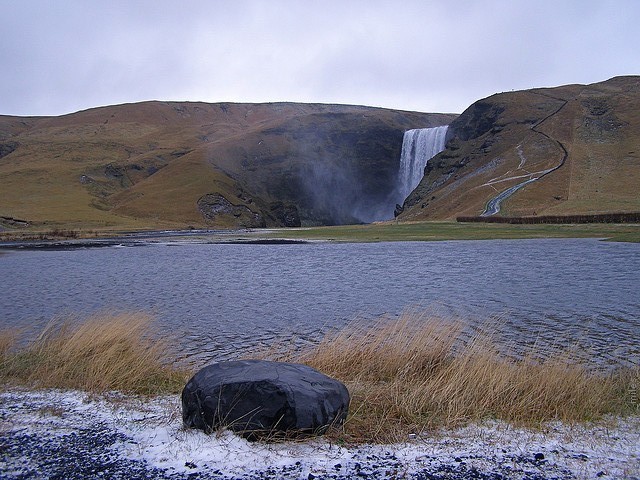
(13, 222)
(260, 398)
(113, 171)
(477, 120)
(286, 214)
(214, 205)
(398, 210)
(7, 148)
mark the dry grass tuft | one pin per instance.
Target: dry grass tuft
(103, 353)
(7, 340)
(408, 375)
(419, 373)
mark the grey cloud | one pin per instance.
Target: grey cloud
(59, 57)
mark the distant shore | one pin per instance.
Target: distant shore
(375, 232)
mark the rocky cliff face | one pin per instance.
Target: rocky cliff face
(196, 164)
(579, 145)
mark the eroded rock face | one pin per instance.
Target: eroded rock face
(261, 398)
(7, 148)
(214, 205)
(286, 214)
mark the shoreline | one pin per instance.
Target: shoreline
(67, 245)
(46, 433)
(374, 232)
(134, 239)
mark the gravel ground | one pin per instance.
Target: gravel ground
(71, 435)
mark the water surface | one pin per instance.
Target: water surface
(222, 299)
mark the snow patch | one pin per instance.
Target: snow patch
(149, 432)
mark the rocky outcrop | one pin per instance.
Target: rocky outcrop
(7, 148)
(478, 119)
(285, 214)
(212, 206)
(398, 210)
(259, 398)
(11, 222)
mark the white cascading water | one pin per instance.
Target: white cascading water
(418, 146)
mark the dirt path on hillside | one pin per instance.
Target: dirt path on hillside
(493, 205)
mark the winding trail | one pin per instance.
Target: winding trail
(493, 205)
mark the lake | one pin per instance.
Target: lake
(222, 300)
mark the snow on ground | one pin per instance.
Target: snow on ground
(69, 434)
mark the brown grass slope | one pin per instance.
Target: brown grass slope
(590, 132)
(149, 164)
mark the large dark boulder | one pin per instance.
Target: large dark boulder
(261, 398)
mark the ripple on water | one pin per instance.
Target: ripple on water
(224, 300)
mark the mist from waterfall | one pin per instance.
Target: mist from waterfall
(418, 146)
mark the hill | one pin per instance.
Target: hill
(568, 150)
(171, 165)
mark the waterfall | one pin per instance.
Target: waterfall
(418, 146)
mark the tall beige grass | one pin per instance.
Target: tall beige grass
(419, 372)
(103, 353)
(406, 375)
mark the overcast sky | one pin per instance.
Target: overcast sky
(60, 56)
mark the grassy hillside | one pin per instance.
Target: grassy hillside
(159, 164)
(588, 135)
(176, 165)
